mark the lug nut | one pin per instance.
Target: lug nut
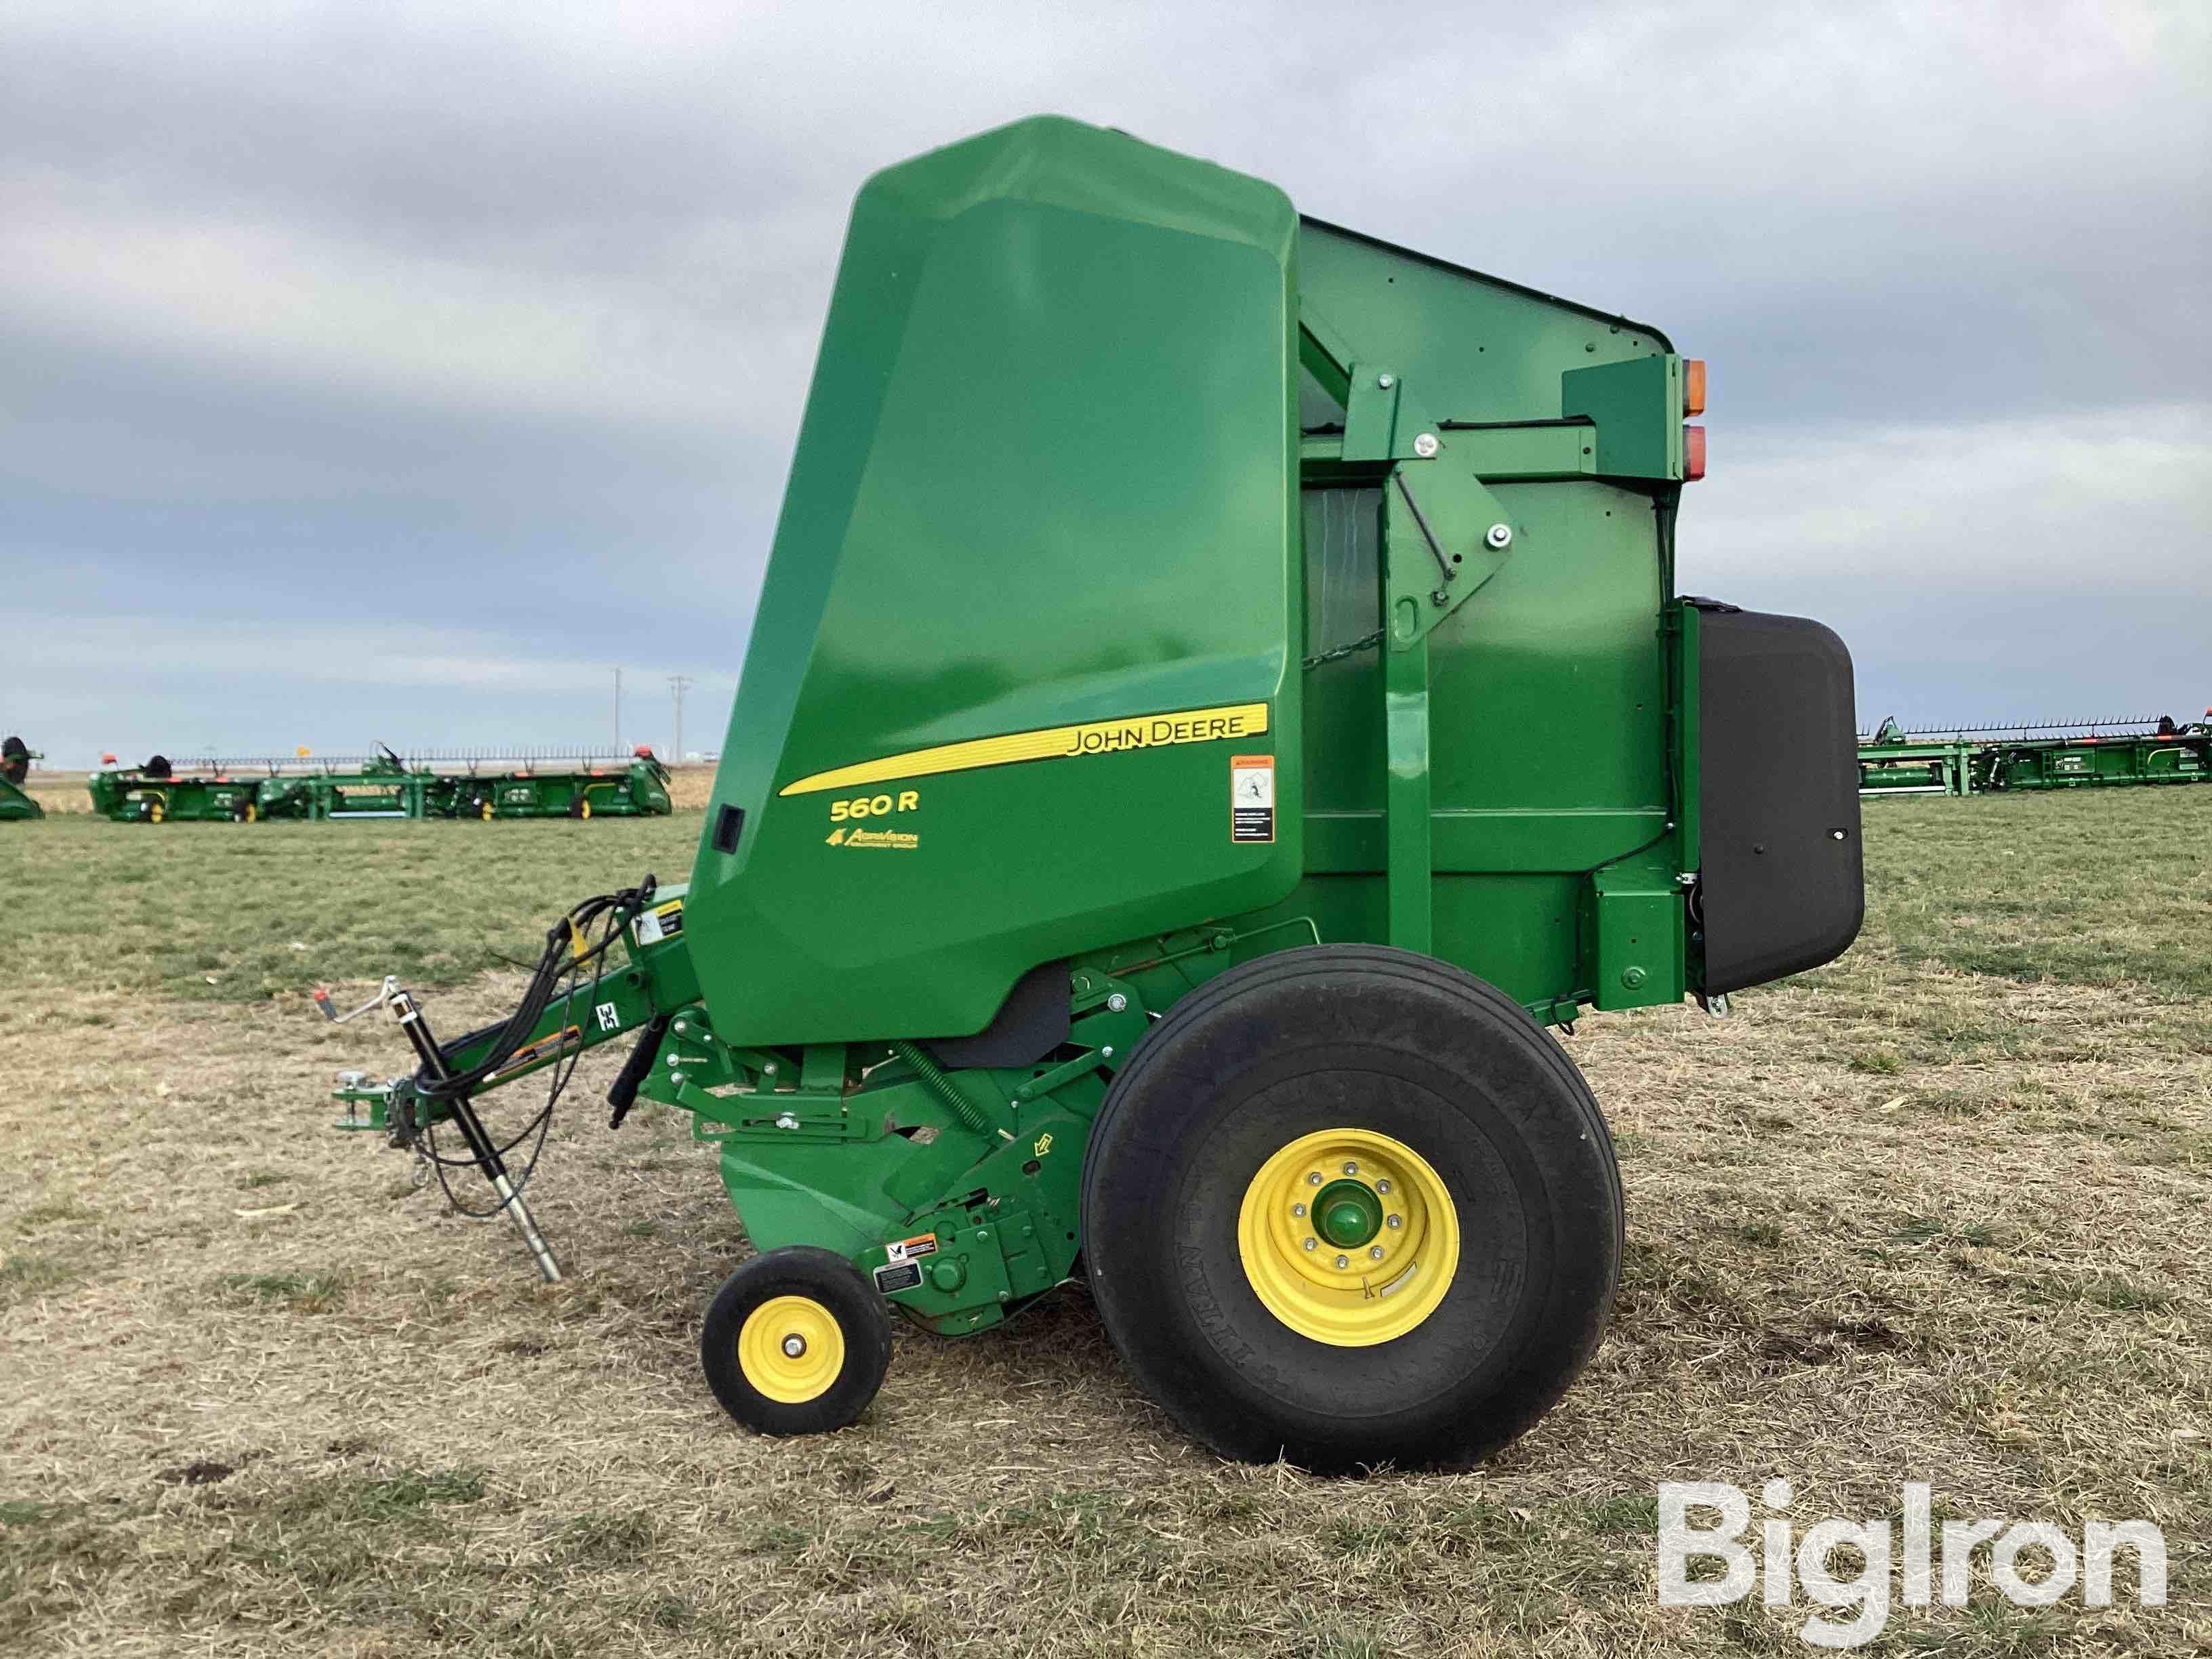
(1395, 1221)
(1311, 1243)
(1374, 1252)
(1344, 1261)
(1383, 1185)
(1314, 1179)
(1298, 1209)
(1350, 1168)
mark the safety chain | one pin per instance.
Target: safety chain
(1365, 642)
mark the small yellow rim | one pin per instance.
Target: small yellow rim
(1348, 1295)
(765, 1341)
(586, 807)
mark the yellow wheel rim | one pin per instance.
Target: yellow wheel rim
(484, 812)
(1368, 1263)
(154, 814)
(767, 1340)
(583, 808)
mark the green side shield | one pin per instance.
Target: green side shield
(1021, 681)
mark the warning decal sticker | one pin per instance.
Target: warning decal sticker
(662, 921)
(1252, 798)
(906, 1250)
(898, 1276)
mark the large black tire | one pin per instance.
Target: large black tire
(1388, 1043)
(834, 1287)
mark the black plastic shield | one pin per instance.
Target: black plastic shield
(1782, 889)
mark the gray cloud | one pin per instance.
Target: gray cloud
(513, 310)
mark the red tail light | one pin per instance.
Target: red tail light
(109, 760)
(1694, 453)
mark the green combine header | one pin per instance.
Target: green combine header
(1143, 852)
(384, 786)
(2068, 754)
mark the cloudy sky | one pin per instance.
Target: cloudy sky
(398, 371)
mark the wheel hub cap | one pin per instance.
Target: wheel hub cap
(790, 1349)
(1347, 1213)
(1348, 1237)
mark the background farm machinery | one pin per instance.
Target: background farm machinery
(16, 758)
(2077, 755)
(380, 786)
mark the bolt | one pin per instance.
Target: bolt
(1385, 381)
(1351, 1168)
(1344, 1261)
(1313, 1178)
(1298, 1209)
(1425, 445)
(1311, 1243)
(1395, 1221)
(769, 1070)
(1116, 1003)
(1383, 1185)
(674, 1064)
(1107, 1053)
(1438, 596)
(985, 1233)
(1501, 535)
(1375, 1253)
(785, 1120)
(1632, 976)
(794, 1346)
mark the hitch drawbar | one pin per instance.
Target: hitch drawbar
(353, 1090)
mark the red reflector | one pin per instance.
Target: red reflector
(1693, 386)
(109, 760)
(1694, 453)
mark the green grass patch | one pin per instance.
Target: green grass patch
(25, 1276)
(2104, 887)
(306, 1293)
(235, 912)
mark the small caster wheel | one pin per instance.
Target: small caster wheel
(796, 1341)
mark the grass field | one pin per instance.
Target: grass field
(1942, 1212)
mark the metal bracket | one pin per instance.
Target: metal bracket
(1445, 536)
(384, 994)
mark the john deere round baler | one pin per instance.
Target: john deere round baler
(1218, 695)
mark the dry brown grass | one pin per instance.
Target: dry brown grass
(1897, 1220)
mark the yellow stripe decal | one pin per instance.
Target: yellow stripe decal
(1242, 719)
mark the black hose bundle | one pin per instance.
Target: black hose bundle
(562, 962)
(564, 957)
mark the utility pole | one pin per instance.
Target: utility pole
(678, 683)
(618, 749)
